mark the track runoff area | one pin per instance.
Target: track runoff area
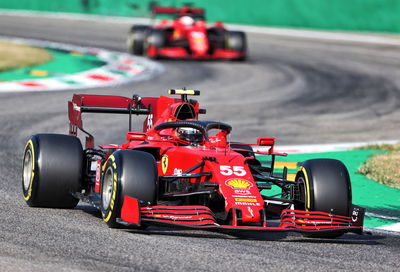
(76, 67)
(380, 201)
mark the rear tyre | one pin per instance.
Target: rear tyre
(52, 171)
(136, 39)
(127, 173)
(236, 40)
(324, 185)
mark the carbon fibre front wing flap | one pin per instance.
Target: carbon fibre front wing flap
(201, 217)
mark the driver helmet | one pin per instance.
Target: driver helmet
(191, 135)
(186, 20)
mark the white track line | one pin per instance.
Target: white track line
(392, 227)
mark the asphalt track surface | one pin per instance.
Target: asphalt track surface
(300, 91)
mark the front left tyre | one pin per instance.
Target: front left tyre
(155, 40)
(52, 171)
(324, 185)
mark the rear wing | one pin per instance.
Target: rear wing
(160, 109)
(81, 103)
(196, 12)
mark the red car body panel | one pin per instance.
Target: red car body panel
(211, 163)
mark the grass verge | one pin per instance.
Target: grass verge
(383, 168)
(13, 56)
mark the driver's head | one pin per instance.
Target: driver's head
(191, 135)
(186, 20)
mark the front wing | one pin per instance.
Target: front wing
(181, 53)
(201, 217)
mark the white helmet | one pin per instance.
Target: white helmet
(186, 20)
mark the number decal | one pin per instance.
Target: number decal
(239, 171)
(227, 170)
(149, 121)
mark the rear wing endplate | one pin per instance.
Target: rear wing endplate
(81, 103)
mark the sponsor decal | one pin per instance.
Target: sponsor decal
(98, 176)
(164, 163)
(177, 171)
(247, 204)
(242, 192)
(238, 184)
(76, 107)
(249, 196)
(173, 217)
(250, 211)
(245, 199)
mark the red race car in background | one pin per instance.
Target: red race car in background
(179, 171)
(187, 36)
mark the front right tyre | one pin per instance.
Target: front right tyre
(136, 39)
(127, 173)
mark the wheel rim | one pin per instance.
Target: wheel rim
(301, 194)
(107, 190)
(27, 172)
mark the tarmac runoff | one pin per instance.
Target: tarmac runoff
(382, 203)
(77, 67)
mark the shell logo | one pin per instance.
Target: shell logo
(238, 184)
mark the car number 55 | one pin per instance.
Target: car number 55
(228, 170)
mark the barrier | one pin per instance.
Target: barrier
(359, 15)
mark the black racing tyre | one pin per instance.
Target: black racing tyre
(236, 40)
(52, 171)
(136, 39)
(324, 185)
(156, 39)
(127, 173)
(216, 37)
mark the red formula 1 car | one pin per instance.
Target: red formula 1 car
(180, 171)
(186, 36)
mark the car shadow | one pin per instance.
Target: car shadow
(291, 237)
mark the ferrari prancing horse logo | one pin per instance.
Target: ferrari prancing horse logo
(164, 163)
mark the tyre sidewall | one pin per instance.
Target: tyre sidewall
(236, 40)
(136, 39)
(329, 186)
(30, 192)
(112, 211)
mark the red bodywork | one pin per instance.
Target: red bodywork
(191, 40)
(213, 164)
